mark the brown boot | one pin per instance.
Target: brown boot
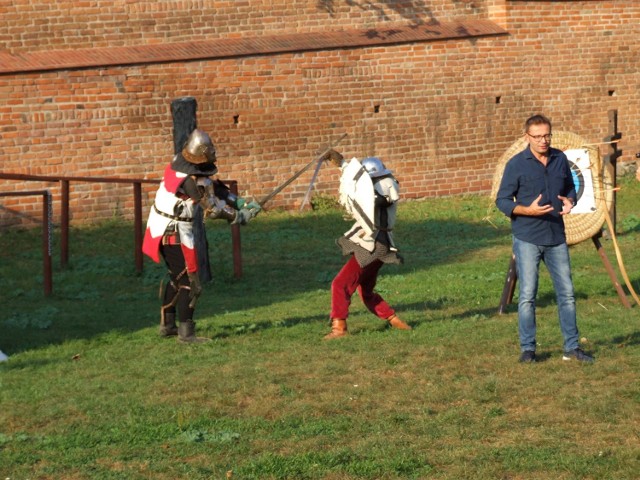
(168, 328)
(187, 333)
(395, 322)
(338, 329)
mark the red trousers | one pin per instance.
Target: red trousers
(352, 277)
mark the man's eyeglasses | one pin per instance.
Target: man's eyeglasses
(539, 138)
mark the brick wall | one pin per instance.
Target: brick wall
(29, 25)
(439, 112)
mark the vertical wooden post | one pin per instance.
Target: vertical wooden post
(235, 239)
(137, 225)
(612, 157)
(509, 286)
(183, 111)
(64, 223)
(47, 213)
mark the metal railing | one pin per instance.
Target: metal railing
(47, 222)
(65, 182)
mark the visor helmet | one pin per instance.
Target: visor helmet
(375, 168)
(199, 148)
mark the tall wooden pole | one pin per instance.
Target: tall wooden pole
(610, 160)
(183, 112)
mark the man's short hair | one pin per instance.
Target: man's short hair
(536, 120)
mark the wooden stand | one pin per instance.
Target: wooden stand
(509, 286)
(183, 111)
(612, 158)
(512, 277)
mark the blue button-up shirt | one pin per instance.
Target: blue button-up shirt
(524, 178)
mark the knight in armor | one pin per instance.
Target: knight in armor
(369, 192)
(186, 184)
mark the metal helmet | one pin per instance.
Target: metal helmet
(199, 148)
(375, 168)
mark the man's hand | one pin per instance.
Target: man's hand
(246, 213)
(242, 217)
(533, 210)
(567, 205)
(254, 208)
(334, 157)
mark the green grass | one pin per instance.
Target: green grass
(91, 392)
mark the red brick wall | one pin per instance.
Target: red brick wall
(440, 113)
(29, 25)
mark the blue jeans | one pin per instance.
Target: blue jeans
(556, 258)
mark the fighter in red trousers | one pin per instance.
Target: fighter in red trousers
(369, 192)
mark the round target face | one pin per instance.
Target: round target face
(578, 179)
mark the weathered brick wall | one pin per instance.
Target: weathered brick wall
(440, 113)
(29, 25)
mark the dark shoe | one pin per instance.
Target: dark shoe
(578, 355)
(167, 331)
(168, 326)
(187, 333)
(528, 356)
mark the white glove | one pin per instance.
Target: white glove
(242, 217)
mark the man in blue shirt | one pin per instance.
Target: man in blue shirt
(536, 191)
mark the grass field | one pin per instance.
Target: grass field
(91, 392)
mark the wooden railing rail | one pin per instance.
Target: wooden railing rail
(47, 272)
(65, 182)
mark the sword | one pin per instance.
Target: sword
(300, 172)
(313, 180)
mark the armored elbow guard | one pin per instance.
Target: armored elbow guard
(225, 213)
(215, 208)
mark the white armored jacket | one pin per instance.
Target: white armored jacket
(171, 208)
(372, 203)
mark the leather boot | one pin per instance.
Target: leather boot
(338, 329)
(169, 328)
(187, 333)
(395, 322)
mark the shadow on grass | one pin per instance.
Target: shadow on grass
(625, 341)
(225, 330)
(229, 329)
(22, 364)
(542, 357)
(283, 258)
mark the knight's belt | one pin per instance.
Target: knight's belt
(173, 217)
(171, 239)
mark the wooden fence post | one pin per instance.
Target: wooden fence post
(183, 111)
(612, 157)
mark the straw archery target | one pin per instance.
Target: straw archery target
(593, 184)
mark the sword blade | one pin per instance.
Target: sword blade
(313, 180)
(300, 172)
